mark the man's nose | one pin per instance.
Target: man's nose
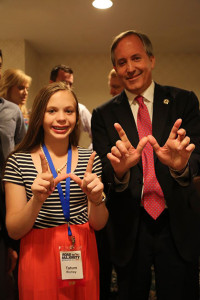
(130, 66)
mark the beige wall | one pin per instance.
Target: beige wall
(90, 71)
(31, 68)
(13, 53)
(177, 69)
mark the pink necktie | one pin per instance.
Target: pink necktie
(153, 198)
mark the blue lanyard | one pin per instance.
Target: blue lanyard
(64, 200)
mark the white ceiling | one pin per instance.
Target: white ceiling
(75, 26)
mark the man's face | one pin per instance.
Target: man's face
(64, 76)
(0, 66)
(133, 65)
(116, 86)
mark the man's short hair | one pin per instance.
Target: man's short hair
(55, 70)
(143, 37)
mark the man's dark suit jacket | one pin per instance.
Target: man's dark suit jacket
(183, 202)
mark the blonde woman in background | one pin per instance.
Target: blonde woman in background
(14, 87)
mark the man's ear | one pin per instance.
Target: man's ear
(153, 61)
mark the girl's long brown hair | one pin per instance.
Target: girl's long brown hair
(35, 132)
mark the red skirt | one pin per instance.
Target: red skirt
(39, 264)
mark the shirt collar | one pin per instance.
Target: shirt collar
(148, 94)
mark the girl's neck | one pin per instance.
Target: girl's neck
(59, 148)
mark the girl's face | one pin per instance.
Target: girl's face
(60, 116)
(18, 93)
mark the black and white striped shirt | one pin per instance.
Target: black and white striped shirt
(21, 170)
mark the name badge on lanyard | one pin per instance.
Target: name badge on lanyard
(71, 265)
(70, 256)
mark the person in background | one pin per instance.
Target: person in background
(12, 130)
(54, 202)
(114, 83)
(66, 74)
(108, 276)
(14, 87)
(148, 138)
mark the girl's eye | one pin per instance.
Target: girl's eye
(69, 111)
(51, 110)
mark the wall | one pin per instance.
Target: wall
(13, 53)
(18, 54)
(179, 70)
(31, 68)
(91, 71)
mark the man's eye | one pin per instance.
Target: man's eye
(121, 63)
(136, 58)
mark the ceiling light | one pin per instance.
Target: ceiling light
(102, 4)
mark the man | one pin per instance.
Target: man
(65, 73)
(114, 83)
(62, 73)
(12, 130)
(153, 207)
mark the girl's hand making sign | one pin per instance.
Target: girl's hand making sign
(45, 184)
(91, 185)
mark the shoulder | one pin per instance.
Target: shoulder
(20, 158)
(7, 104)
(19, 166)
(83, 108)
(84, 151)
(173, 91)
(10, 110)
(84, 154)
(115, 101)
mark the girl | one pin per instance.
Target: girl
(54, 213)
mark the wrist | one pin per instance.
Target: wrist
(179, 171)
(99, 202)
(120, 176)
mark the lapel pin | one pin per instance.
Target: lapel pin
(166, 101)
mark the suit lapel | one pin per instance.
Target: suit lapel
(161, 105)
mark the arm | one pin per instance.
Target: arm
(102, 144)
(97, 213)
(92, 186)
(20, 214)
(20, 130)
